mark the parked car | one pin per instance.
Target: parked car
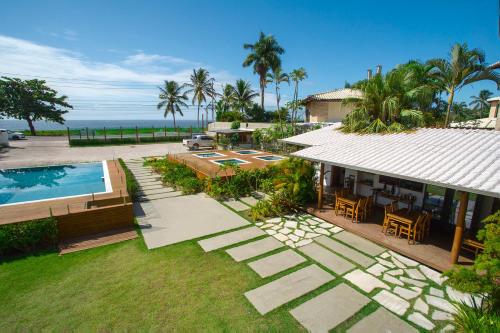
(198, 141)
(15, 135)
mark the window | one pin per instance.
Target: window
(406, 184)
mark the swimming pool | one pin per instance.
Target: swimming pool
(208, 155)
(234, 161)
(269, 158)
(246, 152)
(51, 182)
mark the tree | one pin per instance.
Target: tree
(226, 96)
(297, 75)
(463, 67)
(201, 88)
(480, 103)
(277, 77)
(243, 95)
(172, 99)
(31, 100)
(264, 56)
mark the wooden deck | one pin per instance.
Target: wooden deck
(59, 207)
(204, 167)
(434, 252)
(96, 240)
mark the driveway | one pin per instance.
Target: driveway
(55, 150)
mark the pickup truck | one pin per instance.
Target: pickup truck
(198, 141)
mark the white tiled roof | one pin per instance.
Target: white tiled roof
(493, 99)
(336, 94)
(456, 158)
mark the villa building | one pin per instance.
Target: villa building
(452, 173)
(492, 122)
(330, 106)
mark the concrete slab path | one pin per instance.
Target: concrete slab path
(351, 254)
(327, 258)
(254, 248)
(329, 309)
(276, 263)
(278, 292)
(382, 321)
(236, 205)
(359, 243)
(230, 238)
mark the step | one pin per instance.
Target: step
(253, 249)
(359, 243)
(230, 238)
(345, 251)
(276, 263)
(327, 258)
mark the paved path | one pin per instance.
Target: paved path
(230, 238)
(171, 215)
(276, 263)
(327, 258)
(382, 321)
(254, 248)
(55, 150)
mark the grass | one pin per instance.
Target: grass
(125, 287)
(125, 141)
(113, 131)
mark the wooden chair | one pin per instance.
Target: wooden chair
(414, 232)
(365, 210)
(472, 246)
(339, 206)
(427, 224)
(356, 212)
(370, 203)
(387, 209)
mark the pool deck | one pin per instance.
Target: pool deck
(205, 167)
(58, 207)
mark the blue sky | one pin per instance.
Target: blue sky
(92, 50)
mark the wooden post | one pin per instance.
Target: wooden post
(459, 227)
(165, 130)
(69, 136)
(104, 134)
(321, 181)
(136, 134)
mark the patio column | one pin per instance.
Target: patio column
(321, 181)
(459, 227)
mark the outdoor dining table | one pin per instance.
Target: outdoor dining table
(403, 216)
(349, 200)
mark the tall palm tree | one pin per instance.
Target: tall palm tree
(277, 77)
(264, 56)
(213, 95)
(226, 96)
(200, 88)
(172, 99)
(480, 102)
(243, 95)
(297, 75)
(462, 68)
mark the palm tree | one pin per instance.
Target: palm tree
(226, 96)
(213, 95)
(200, 88)
(172, 99)
(243, 95)
(480, 102)
(277, 77)
(264, 56)
(464, 67)
(297, 75)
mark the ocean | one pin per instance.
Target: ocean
(76, 124)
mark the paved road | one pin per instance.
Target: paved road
(55, 150)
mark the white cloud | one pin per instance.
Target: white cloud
(92, 85)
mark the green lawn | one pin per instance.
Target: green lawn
(125, 287)
(113, 131)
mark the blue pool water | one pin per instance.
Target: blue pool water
(230, 161)
(206, 155)
(270, 158)
(28, 184)
(247, 152)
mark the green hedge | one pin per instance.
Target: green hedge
(28, 237)
(132, 185)
(125, 141)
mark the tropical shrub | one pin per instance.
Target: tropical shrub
(177, 175)
(132, 185)
(235, 124)
(473, 319)
(28, 237)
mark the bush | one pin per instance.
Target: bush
(125, 141)
(28, 237)
(235, 124)
(475, 319)
(177, 175)
(132, 185)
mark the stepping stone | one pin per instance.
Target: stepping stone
(322, 231)
(382, 321)
(300, 233)
(274, 220)
(395, 272)
(305, 228)
(327, 258)
(392, 302)
(392, 279)
(293, 238)
(236, 205)
(432, 274)
(317, 219)
(254, 249)
(290, 243)
(440, 315)
(280, 237)
(386, 263)
(413, 282)
(436, 292)
(157, 191)
(417, 289)
(303, 242)
(268, 225)
(275, 227)
(312, 222)
(271, 232)
(377, 269)
(460, 297)
(359, 243)
(278, 292)
(415, 274)
(230, 238)
(397, 263)
(259, 224)
(421, 306)
(336, 229)
(365, 281)
(291, 224)
(408, 262)
(325, 311)
(312, 235)
(440, 303)
(406, 293)
(448, 328)
(326, 225)
(251, 201)
(152, 187)
(285, 231)
(345, 251)
(276, 263)
(161, 195)
(421, 320)
(385, 255)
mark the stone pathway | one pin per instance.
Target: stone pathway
(327, 310)
(360, 243)
(276, 263)
(230, 238)
(278, 292)
(254, 248)
(346, 251)
(382, 321)
(327, 258)
(236, 205)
